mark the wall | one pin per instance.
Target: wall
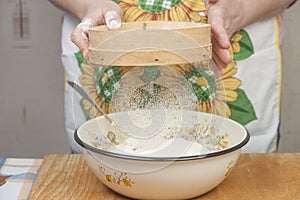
(290, 108)
(31, 85)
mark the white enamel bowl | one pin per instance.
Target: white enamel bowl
(160, 164)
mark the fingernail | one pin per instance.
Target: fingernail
(110, 20)
(229, 56)
(85, 25)
(114, 24)
(85, 54)
(84, 36)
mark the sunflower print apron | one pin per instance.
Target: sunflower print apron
(248, 91)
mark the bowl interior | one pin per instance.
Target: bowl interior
(163, 134)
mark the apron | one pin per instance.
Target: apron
(248, 91)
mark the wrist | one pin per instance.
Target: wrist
(255, 10)
(85, 6)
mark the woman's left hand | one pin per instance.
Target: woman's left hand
(224, 19)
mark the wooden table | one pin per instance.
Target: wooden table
(256, 176)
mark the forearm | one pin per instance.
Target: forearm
(76, 7)
(256, 10)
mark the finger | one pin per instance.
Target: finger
(80, 35)
(79, 38)
(220, 36)
(219, 63)
(222, 53)
(112, 19)
(218, 31)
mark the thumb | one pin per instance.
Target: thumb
(79, 35)
(113, 19)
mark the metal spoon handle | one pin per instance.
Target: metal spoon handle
(81, 91)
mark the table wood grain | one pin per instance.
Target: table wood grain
(255, 176)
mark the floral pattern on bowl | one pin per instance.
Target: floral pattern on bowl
(180, 162)
(119, 178)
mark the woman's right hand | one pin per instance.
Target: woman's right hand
(96, 13)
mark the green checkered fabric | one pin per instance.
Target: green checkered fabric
(203, 93)
(157, 5)
(107, 87)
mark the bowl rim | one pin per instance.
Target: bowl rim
(171, 158)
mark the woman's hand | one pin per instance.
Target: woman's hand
(228, 16)
(90, 13)
(225, 18)
(99, 12)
